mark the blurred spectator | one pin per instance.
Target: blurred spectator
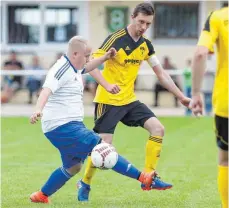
(58, 56)
(34, 81)
(11, 84)
(188, 83)
(159, 88)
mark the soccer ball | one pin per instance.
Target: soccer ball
(104, 156)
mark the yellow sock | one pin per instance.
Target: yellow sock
(153, 149)
(89, 171)
(223, 185)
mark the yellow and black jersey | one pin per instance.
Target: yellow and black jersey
(216, 32)
(123, 69)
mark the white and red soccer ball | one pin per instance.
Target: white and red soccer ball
(104, 156)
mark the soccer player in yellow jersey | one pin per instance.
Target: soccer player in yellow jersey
(132, 49)
(215, 32)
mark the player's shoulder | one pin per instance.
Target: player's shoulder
(148, 41)
(217, 18)
(60, 68)
(220, 14)
(118, 34)
(113, 39)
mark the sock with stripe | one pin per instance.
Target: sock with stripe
(223, 185)
(57, 179)
(89, 171)
(125, 168)
(153, 149)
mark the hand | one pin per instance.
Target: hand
(110, 54)
(185, 101)
(35, 117)
(113, 88)
(197, 105)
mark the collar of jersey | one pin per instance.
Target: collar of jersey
(70, 63)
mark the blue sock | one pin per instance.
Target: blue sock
(57, 179)
(125, 168)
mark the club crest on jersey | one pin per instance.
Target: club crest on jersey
(142, 49)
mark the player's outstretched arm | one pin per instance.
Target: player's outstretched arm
(41, 101)
(166, 81)
(95, 63)
(97, 75)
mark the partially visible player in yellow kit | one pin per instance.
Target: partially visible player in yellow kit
(215, 32)
(132, 49)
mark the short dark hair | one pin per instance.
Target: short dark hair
(144, 8)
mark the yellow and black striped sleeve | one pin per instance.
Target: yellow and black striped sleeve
(108, 43)
(209, 35)
(150, 49)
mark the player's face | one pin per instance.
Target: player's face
(80, 58)
(88, 54)
(142, 22)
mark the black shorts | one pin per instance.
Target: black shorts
(107, 116)
(221, 130)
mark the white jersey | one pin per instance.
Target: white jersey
(65, 104)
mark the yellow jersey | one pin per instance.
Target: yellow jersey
(123, 68)
(216, 32)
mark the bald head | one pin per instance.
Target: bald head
(77, 44)
(77, 52)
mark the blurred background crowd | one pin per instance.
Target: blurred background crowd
(35, 35)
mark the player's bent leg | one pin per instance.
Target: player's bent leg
(154, 143)
(153, 149)
(74, 169)
(149, 181)
(90, 169)
(85, 183)
(57, 179)
(108, 138)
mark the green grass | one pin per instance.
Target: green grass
(188, 160)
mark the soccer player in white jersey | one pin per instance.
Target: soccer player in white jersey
(60, 107)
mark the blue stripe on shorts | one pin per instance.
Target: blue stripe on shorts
(74, 141)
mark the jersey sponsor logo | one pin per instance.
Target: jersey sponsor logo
(132, 61)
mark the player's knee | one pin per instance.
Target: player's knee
(159, 130)
(74, 169)
(223, 158)
(154, 126)
(223, 162)
(107, 138)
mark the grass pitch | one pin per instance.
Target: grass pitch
(188, 160)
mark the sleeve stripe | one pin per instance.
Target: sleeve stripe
(110, 44)
(62, 70)
(207, 23)
(112, 38)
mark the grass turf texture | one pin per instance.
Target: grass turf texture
(188, 160)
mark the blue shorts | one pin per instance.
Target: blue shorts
(74, 141)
